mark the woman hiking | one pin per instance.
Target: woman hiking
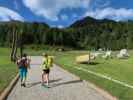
(47, 63)
(23, 65)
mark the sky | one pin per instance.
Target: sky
(62, 13)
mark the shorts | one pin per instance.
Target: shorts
(46, 71)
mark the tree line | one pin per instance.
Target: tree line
(87, 33)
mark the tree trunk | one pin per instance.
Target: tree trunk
(21, 51)
(13, 45)
(21, 45)
(15, 48)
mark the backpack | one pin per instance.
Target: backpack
(23, 63)
(50, 61)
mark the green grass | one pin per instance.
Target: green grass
(4, 51)
(121, 70)
(7, 69)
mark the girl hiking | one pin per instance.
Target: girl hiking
(23, 64)
(47, 63)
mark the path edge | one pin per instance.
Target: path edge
(91, 85)
(9, 88)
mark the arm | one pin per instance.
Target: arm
(28, 63)
(18, 63)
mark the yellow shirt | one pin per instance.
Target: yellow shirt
(45, 63)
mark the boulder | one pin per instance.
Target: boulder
(100, 49)
(92, 57)
(123, 54)
(83, 59)
(61, 49)
(107, 55)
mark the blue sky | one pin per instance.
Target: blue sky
(61, 13)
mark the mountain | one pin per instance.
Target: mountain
(89, 21)
(105, 33)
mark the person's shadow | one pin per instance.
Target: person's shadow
(29, 85)
(67, 82)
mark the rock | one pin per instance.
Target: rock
(100, 49)
(61, 49)
(123, 54)
(92, 57)
(107, 55)
(83, 59)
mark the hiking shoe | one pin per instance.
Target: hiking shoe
(47, 86)
(24, 85)
(42, 84)
(21, 84)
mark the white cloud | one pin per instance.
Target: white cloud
(111, 13)
(101, 3)
(50, 9)
(8, 14)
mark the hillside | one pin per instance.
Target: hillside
(104, 33)
(87, 33)
(89, 21)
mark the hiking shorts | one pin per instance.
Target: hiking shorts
(46, 71)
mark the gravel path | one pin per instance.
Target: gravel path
(63, 86)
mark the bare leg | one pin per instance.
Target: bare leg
(47, 79)
(43, 79)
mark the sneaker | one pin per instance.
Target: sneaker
(24, 85)
(42, 84)
(21, 84)
(47, 86)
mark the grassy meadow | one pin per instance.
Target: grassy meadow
(8, 70)
(118, 69)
